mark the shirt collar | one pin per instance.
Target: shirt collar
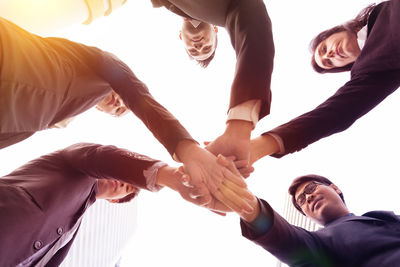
(194, 22)
(362, 36)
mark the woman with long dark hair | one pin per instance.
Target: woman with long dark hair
(368, 46)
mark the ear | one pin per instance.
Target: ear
(337, 190)
(180, 35)
(113, 200)
(216, 29)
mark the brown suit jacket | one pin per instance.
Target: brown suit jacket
(46, 80)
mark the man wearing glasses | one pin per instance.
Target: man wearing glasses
(372, 239)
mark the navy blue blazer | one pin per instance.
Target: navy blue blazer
(250, 31)
(374, 75)
(45, 198)
(370, 240)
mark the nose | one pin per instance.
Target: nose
(117, 102)
(310, 198)
(330, 54)
(197, 45)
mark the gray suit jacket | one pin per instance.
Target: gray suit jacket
(250, 30)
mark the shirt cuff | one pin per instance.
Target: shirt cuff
(247, 111)
(151, 174)
(279, 140)
(99, 8)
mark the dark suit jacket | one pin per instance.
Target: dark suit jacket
(42, 200)
(250, 30)
(370, 240)
(374, 75)
(46, 80)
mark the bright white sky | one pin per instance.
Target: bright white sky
(362, 161)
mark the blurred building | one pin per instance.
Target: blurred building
(105, 230)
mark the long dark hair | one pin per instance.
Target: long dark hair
(353, 26)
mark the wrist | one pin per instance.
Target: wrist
(165, 176)
(239, 128)
(263, 145)
(250, 217)
(186, 149)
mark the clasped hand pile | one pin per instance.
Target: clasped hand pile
(209, 179)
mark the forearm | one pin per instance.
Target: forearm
(110, 162)
(250, 30)
(352, 101)
(166, 176)
(239, 129)
(262, 146)
(135, 94)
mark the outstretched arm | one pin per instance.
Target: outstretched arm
(110, 162)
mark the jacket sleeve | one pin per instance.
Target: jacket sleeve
(352, 101)
(291, 244)
(164, 126)
(109, 162)
(250, 30)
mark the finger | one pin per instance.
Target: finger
(241, 163)
(245, 172)
(181, 169)
(204, 200)
(234, 177)
(221, 207)
(231, 200)
(227, 202)
(200, 201)
(229, 164)
(230, 158)
(185, 179)
(219, 213)
(238, 191)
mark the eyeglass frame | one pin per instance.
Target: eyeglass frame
(307, 191)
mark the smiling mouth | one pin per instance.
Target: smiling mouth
(339, 52)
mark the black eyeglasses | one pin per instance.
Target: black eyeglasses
(308, 189)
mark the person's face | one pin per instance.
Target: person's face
(200, 41)
(338, 50)
(112, 190)
(113, 105)
(323, 204)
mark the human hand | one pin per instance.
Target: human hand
(235, 141)
(205, 172)
(177, 180)
(253, 202)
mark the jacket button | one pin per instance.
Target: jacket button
(60, 230)
(37, 244)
